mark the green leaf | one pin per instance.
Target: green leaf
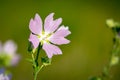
(29, 60)
(46, 61)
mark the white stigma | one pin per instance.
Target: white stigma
(44, 37)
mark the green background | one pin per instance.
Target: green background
(91, 40)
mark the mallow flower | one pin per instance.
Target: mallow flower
(8, 53)
(48, 34)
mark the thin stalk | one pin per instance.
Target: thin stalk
(35, 62)
(36, 73)
(108, 67)
(38, 51)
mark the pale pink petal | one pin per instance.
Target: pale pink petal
(62, 32)
(55, 25)
(10, 47)
(34, 40)
(4, 77)
(15, 59)
(36, 25)
(48, 22)
(51, 25)
(51, 49)
(47, 50)
(59, 40)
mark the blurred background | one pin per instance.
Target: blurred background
(91, 40)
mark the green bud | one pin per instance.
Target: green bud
(29, 60)
(46, 61)
(30, 48)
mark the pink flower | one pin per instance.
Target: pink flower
(9, 50)
(48, 35)
(4, 77)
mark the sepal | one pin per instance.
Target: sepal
(46, 61)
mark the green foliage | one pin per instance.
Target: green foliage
(112, 24)
(46, 61)
(5, 60)
(29, 60)
(30, 48)
(114, 58)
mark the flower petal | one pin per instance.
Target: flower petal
(62, 32)
(59, 40)
(15, 59)
(55, 25)
(50, 24)
(51, 50)
(4, 77)
(10, 47)
(34, 40)
(36, 25)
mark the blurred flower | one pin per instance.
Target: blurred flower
(8, 54)
(50, 34)
(112, 24)
(114, 60)
(4, 76)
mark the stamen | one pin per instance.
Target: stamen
(44, 37)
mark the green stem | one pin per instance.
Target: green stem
(38, 51)
(36, 73)
(108, 67)
(35, 63)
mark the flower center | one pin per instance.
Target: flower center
(44, 37)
